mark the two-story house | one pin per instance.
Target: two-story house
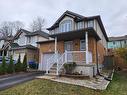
(24, 42)
(77, 39)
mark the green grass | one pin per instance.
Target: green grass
(45, 87)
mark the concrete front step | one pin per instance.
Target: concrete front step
(54, 71)
(51, 74)
(55, 68)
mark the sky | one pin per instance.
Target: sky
(113, 12)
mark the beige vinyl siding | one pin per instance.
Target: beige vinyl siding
(99, 32)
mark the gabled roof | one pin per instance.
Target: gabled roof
(28, 33)
(78, 17)
(67, 13)
(119, 38)
(41, 33)
(21, 31)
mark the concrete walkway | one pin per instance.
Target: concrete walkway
(11, 80)
(98, 83)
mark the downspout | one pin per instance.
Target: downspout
(98, 72)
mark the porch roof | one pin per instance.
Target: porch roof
(76, 34)
(24, 47)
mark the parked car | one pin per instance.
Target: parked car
(7, 60)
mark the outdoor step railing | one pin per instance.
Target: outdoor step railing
(61, 61)
(50, 62)
(66, 57)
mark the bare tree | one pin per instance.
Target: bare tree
(7, 28)
(18, 25)
(37, 24)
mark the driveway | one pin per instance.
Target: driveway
(11, 80)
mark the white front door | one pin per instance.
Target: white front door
(68, 45)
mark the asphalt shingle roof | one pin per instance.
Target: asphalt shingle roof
(24, 46)
(41, 33)
(118, 38)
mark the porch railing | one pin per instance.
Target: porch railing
(66, 57)
(76, 56)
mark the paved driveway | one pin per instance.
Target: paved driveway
(11, 80)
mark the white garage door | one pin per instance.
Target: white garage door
(44, 57)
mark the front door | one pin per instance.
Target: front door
(68, 45)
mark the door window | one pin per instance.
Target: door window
(68, 46)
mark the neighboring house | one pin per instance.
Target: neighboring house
(117, 42)
(24, 42)
(4, 41)
(77, 39)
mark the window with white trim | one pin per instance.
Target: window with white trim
(66, 26)
(80, 25)
(29, 39)
(91, 23)
(82, 45)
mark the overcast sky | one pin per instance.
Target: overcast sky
(112, 12)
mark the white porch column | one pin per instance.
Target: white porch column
(56, 54)
(55, 45)
(87, 52)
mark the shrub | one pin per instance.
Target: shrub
(122, 52)
(69, 67)
(18, 65)
(3, 66)
(11, 67)
(24, 65)
(0, 69)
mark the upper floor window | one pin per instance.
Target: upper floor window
(66, 26)
(80, 25)
(91, 23)
(29, 39)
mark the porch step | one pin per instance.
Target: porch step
(54, 71)
(52, 74)
(55, 68)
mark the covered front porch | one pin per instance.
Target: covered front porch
(72, 52)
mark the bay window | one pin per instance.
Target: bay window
(66, 26)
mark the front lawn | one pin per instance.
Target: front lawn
(45, 87)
